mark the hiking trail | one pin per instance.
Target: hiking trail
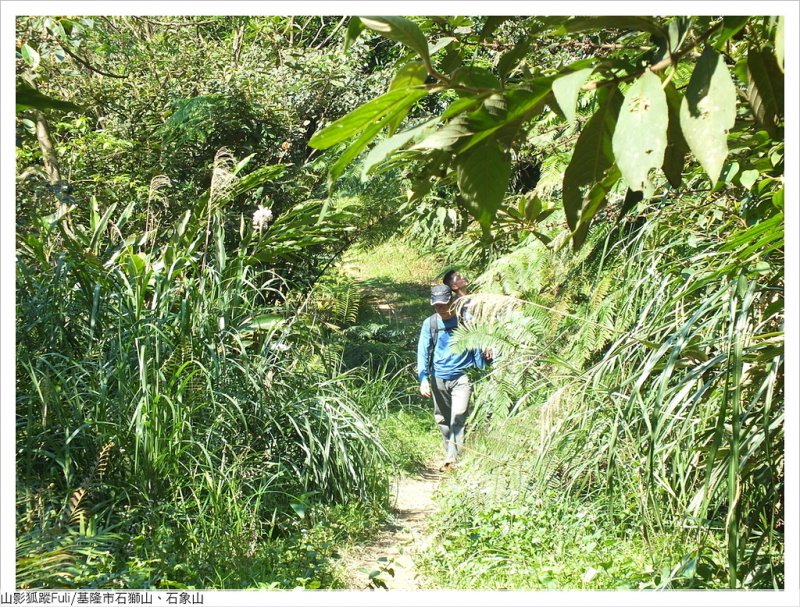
(396, 546)
(395, 283)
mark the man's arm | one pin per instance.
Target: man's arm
(423, 352)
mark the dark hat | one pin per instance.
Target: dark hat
(440, 294)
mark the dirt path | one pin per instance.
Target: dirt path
(395, 294)
(397, 545)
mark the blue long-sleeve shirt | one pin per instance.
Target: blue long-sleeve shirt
(446, 364)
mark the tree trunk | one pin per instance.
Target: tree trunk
(57, 185)
(238, 43)
(49, 157)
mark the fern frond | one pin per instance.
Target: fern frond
(102, 460)
(486, 307)
(601, 289)
(71, 513)
(347, 303)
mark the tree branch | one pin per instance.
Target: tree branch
(656, 67)
(86, 64)
(49, 156)
(176, 24)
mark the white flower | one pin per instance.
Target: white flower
(589, 574)
(261, 217)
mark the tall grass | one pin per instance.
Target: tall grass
(196, 361)
(661, 397)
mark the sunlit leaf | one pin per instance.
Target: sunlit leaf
(440, 44)
(409, 75)
(354, 149)
(378, 153)
(368, 135)
(357, 120)
(566, 89)
(299, 508)
(748, 178)
(30, 56)
(708, 112)
(402, 30)
(640, 136)
(679, 27)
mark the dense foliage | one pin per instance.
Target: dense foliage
(182, 418)
(204, 398)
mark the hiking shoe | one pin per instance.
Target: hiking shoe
(448, 466)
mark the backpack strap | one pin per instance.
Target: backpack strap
(433, 320)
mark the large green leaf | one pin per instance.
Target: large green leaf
(475, 78)
(708, 112)
(440, 44)
(365, 115)
(621, 22)
(482, 175)
(354, 149)
(368, 134)
(29, 98)
(462, 104)
(379, 153)
(779, 48)
(503, 115)
(640, 136)
(30, 56)
(592, 156)
(595, 200)
(448, 136)
(566, 89)
(402, 30)
(731, 25)
(354, 29)
(765, 89)
(678, 29)
(491, 24)
(677, 149)
(511, 58)
(409, 75)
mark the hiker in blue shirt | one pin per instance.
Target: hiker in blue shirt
(443, 374)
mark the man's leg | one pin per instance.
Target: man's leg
(460, 391)
(442, 411)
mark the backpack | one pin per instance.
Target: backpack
(433, 319)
